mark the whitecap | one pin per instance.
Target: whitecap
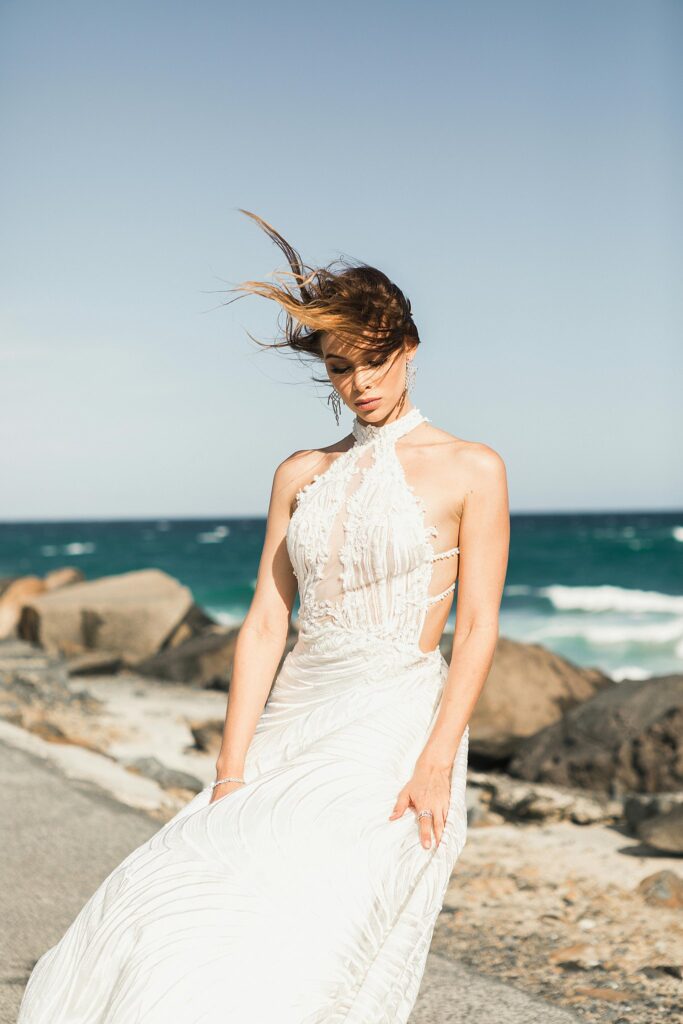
(230, 619)
(79, 548)
(609, 598)
(604, 634)
(214, 536)
(629, 672)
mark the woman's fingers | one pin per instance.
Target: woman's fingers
(401, 804)
(425, 825)
(428, 823)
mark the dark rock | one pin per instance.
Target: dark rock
(664, 832)
(204, 661)
(528, 688)
(639, 806)
(168, 778)
(655, 970)
(94, 663)
(195, 622)
(208, 735)
(627, 738)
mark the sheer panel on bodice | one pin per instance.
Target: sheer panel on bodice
(363, 548)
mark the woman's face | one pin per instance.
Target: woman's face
(370, 383)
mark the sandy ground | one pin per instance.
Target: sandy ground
(555, 909)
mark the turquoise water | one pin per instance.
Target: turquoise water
(600, 589)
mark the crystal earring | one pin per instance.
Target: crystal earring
(334, 399)
(411, 371)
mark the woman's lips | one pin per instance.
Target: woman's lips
(366, 403)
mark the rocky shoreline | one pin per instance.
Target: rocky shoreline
(570, 885)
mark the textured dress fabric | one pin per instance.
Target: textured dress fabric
(294, 899)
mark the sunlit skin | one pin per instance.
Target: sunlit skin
(464, 487)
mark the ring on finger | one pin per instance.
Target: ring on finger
(425, 814)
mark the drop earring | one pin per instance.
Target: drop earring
(411, 371)
(334, 399)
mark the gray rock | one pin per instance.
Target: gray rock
(663, 889)
(32, 679)
(664, 832)
(639, 806)
(168, 778)
(627, 738)
(523, 801)
(204, 661)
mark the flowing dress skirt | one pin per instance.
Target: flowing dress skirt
(293, 900)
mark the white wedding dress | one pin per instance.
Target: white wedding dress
(294, 900)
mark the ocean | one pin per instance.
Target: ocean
(601, 589)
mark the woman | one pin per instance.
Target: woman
(303, 885)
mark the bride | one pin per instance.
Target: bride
(302, 886)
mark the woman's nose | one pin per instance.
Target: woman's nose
(362, 376)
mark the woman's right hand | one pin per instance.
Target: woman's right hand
(224, 789)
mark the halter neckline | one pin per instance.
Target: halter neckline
(365, 433)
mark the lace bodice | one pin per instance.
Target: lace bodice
(359, 543)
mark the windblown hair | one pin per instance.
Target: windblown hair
(352, 301)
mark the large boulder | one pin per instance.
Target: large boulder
(15, 595)
(130, 615)
(627, 738)
(528, 688)
(63, 577)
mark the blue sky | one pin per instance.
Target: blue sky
(515, 167)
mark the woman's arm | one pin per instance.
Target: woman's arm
(263, 634)
(484, 544)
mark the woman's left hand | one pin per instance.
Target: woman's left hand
(429, 789)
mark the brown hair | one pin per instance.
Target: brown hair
(353, 301)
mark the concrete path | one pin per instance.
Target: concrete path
(59, 839)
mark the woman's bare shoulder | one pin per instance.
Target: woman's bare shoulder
(299, 468)
(458, 454)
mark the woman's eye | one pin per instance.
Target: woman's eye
(345, 369)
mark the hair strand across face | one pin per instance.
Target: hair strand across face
(352, 301)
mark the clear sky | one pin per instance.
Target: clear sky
(514, 166)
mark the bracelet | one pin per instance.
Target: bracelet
(228, 779)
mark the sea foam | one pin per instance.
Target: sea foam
(607, 598)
